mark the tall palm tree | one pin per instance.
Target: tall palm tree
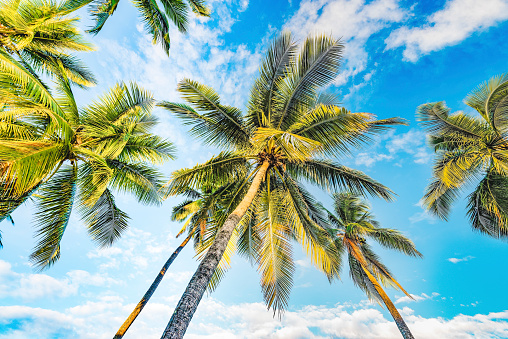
(40, 35)
(281, 141)
(156, 21)
(199, 210)
(351, 225)
(63, 153)
(471, 149)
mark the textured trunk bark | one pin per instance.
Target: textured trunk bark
(197, 286)
(151, 290)
(401, 324)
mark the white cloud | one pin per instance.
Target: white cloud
(214, 319)
(457, 260)
(353, 20)
(416, 298)
(458, 20)
(35, 286)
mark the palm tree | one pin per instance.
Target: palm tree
(268, 151)
(40, 35)
(51, 147)
(200, 209)
(471, 149)
(350, 226)
(156, 21)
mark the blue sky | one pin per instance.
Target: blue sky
(399, 54)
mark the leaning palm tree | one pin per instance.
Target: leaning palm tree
(63, 153)
(351, 225)
(471, 149)
(156, 21)
(40, 35)
(201, 209)
(280, 142)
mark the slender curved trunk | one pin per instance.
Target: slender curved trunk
(197, 286)
(125, 326)
(401, 324)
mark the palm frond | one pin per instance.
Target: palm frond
(54, 205)
(104, 220)
(156, 23)
(329, 175)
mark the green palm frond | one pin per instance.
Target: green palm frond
(490, 99)
(155, 22)
(104, 220)
(329, 175)
(439, 198)
(394, 240)
(199, 7)
(488, 207)
(137, 179)
(177, 12)
(273, 68)
(221, 169)
(436, 118)
(317, 65)
(54, 205)
(218, 124)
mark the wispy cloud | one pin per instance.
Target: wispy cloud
(457, 260)
(416, 298)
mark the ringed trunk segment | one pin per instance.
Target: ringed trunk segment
(139, 307)
(197, 286)
(401, 324)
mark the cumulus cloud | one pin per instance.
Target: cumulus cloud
(249, 320)
(35, 286)
(416, 298)
(392, 146)
(355, 21)
(457, 260)
(458, 20)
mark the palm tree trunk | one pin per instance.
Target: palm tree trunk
(404, 330)
(196, 288)
(151, 290)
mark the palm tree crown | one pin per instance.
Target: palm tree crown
(282, 140)
(40, 34)
(352, 225)
(51, 147)
(471, 149)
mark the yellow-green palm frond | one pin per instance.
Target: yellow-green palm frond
(463, 165)
(275, 261)
(488, 206)
(217, 124)
(490, 99)
(27, 163)
(221, 169)
(294, 147)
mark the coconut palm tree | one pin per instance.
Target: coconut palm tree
(471, 149)
(40, 35)
(63, 153)
(199, 210)
(280, 142)
(156, 21)
(351, 225)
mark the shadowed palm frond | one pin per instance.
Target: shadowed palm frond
(54, 205)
